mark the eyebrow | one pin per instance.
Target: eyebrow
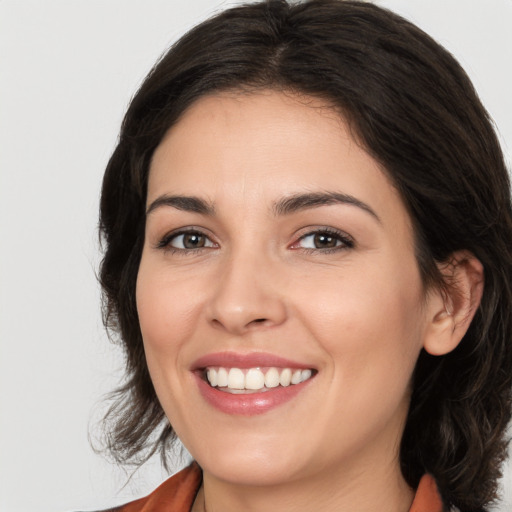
(184, 203)
(284, 206)
(305, 201)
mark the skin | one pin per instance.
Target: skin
(358, 313)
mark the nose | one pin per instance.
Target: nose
(246, 295)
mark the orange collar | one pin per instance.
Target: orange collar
(178, 494)
(427, 497)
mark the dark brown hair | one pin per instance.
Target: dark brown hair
(412, 107)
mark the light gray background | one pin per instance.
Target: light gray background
(67, 71)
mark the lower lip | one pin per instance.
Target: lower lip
(248, 404)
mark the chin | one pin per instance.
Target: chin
(258, 465)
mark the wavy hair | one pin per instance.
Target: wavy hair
(414, 110)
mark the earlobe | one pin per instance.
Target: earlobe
(451, 309)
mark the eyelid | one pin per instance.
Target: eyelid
(165, 241)
(347, 241)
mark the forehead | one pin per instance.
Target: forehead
(252, 148)
(221, 126)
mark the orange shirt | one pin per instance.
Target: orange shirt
(177, 494)
(427, 497)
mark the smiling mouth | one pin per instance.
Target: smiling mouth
(254, 380)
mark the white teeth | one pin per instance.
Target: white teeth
(236, 379)
(296, 376)
(222, 377)
(272, 378)
(285, 378)
(212, 377)
(255, 379)
(305, 375)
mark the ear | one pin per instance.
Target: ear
(451, 309)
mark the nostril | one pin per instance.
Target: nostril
(259, 320)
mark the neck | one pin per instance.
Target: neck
(369, 489)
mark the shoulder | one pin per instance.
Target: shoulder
(177, 492)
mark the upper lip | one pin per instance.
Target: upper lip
(246, 360)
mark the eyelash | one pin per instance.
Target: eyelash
(165, 242)
(346, 242)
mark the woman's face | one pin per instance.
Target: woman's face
(277, 251)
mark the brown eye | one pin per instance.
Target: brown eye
(193, 240)
(188, 240)
(325, 241)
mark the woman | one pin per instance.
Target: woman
(307, 224)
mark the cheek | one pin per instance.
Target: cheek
(166, 314)
(167, 317)
(370, 323)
